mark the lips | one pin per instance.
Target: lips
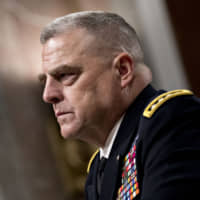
(58, 114)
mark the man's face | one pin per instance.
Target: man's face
(82, 87)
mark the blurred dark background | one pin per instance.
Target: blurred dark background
(35, 162)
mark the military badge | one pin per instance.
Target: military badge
(129, 188)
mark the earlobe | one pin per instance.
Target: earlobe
(123, 63)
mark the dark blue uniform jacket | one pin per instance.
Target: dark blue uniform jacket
(163, 151)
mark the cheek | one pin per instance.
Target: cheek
(81, 99)
(89, 96)
(107, 91)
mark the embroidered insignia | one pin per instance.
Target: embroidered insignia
(129, 188)
(161, 99)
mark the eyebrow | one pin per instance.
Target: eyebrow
(41, 77)
(61, 69)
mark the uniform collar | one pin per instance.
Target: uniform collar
(125, 136)
(128, 128)
(105, 151)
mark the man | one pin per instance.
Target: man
(97, 82)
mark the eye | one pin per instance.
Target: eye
(67, 78)
(62, 75)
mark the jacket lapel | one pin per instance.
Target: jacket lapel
(123, 141)
(91, 189)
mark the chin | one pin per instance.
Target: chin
(69, 132)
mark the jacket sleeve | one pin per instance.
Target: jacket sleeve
(170, 151)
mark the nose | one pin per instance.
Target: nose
(52, 91)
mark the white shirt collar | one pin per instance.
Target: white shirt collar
(105, 151)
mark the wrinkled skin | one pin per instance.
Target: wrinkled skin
(83, 87)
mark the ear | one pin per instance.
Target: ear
(124, 66)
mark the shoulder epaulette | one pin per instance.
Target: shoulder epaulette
(91, 160)
(161, 99)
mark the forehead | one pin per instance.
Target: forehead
(66, 47)
(74, 38)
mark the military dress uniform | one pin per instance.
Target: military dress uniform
(156, 153)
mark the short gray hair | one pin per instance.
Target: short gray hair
(111, 29)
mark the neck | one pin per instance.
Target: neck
(98, 135)
(142, 78)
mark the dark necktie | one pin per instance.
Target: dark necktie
(100, 174)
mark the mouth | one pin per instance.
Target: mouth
(58, 114)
